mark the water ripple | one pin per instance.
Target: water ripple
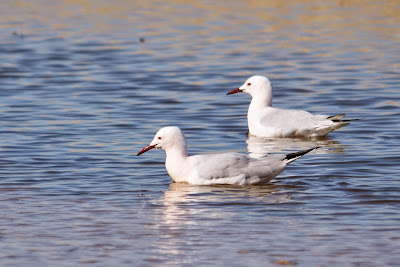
(85, 86)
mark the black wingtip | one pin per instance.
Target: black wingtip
(339, 118)
(336, 117)
(293, 156)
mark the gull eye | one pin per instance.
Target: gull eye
(159, 138)
(248, 84)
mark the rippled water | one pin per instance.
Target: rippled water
(84, 85)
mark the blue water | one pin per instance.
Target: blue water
(84, 85)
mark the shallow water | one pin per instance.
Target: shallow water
(85, 85)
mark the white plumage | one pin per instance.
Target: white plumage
(266, 121)
(224, 168)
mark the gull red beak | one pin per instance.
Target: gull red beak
(145, 149)
(234, 91)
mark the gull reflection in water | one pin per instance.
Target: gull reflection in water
(187, 211)
(260, 146)
(189, 204)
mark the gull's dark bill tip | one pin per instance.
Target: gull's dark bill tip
(145, 149)
(234, 91)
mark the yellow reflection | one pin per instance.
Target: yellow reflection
(339, 16)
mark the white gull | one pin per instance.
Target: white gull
(266, 121)
(224, 168)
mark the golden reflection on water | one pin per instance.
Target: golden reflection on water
(340, 18)
(325, 29)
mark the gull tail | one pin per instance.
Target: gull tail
(293, 156)
(338, 118)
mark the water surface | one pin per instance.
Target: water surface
(84, 85)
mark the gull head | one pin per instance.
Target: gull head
(166, 138)
(255, 85)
